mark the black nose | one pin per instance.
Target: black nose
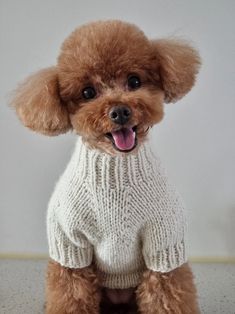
(120, 114)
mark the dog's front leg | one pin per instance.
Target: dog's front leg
(168, 293)
(71, 291)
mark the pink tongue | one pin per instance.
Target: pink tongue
(124, 139)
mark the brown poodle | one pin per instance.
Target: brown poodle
(111, 80)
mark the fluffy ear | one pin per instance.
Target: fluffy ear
(178, 64)
(38, 104)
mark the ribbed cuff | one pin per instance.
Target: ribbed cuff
(121, 281)
(166, 260)
(71, 256)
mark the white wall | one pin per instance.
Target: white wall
(196, 139)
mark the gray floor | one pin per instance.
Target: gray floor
(22, 287)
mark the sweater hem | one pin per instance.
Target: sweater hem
(121, 281)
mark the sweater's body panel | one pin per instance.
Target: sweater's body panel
(119, 211)
(120, 244)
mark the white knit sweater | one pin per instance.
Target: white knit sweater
(120, 212)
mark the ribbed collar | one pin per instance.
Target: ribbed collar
(106, 171)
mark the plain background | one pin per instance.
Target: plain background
(195, 140)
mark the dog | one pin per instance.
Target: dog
(115, 238)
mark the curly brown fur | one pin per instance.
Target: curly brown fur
(72, 291)
(38, 104)
(172, 292)
(179, 64)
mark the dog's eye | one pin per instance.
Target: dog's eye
(133, 82)
(89, 92)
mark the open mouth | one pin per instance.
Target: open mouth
(124, 139)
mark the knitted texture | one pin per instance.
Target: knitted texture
(120, 212)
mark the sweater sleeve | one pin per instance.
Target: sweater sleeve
(163, 235)
(67, 220)
(70, 249)
(159, 254)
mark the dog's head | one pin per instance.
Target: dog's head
(109, 85)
